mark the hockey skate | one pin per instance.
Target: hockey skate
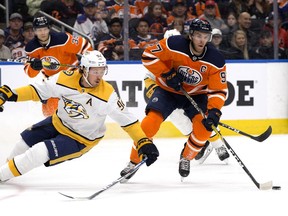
(126, 170)
(184, 167)
(222, 153)
(204, 153)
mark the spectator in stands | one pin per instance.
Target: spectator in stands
(34, 6)
(239, 48)
(28, 33)
(111, 45)
(231, 21)
(210, 15)
(102, 10)
(244, 23)
(283, 12)
(64, 10)
(19, 6)
(179, 10)
(282, 33)
(142, 6)
(238, 6)
(4, 50)
(156, 20)
(178, 24)
(232, 25)
(198, 8)
(217, 41)
(117, 10)
(266, 48)
(142, 39)
(13, 33)
(91, 22)
(259, 10)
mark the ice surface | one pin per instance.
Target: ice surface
(211, 189)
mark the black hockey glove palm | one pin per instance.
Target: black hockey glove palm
(173, 79)
(36, 64)
(147, 148)
(6, 94)
(213, 118)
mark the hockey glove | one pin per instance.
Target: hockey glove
(6, 94)
(147, 148)
(213, 118)
(36, 64)
(173, 79)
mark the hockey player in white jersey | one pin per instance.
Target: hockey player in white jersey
(85, 100)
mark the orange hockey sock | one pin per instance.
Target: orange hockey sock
(151, 123)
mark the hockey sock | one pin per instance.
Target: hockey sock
(151, 123)
(32, 158)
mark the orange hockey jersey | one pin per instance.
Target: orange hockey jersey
(62, 49)
(205, 74)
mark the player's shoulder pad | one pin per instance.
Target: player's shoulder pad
(214, 57)
(103, 91)
(58, 38)
(66, 76)
(32, 45)
(178, 43)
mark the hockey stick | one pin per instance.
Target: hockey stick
(47, 64)
(44, 63)
(259, 138)
(260, 186)
(109, 185)
(24, 60)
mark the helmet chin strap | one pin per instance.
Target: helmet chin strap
(85, 76)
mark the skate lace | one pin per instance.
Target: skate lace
(184, 164)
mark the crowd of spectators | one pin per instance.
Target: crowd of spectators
(242, 29)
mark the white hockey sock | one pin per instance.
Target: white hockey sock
(34, 157)
(217, 143)
(19, 148)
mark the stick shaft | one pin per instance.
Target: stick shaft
(240, 162)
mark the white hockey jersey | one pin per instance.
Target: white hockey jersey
(82, 111)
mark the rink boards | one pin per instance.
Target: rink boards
(258, 97)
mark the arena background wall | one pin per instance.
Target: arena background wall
(258, 97)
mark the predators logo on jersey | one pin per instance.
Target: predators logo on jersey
(75, 110)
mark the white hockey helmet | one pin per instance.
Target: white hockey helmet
(171, 32)
(92, 59)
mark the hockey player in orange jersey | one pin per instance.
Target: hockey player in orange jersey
(200, 69)
(57, 48)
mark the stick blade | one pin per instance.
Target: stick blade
(264, 135)
(75, 198)
(266, 185)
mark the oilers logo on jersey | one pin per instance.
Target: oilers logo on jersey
(75, 110)
(191, 76)
(54, 63)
